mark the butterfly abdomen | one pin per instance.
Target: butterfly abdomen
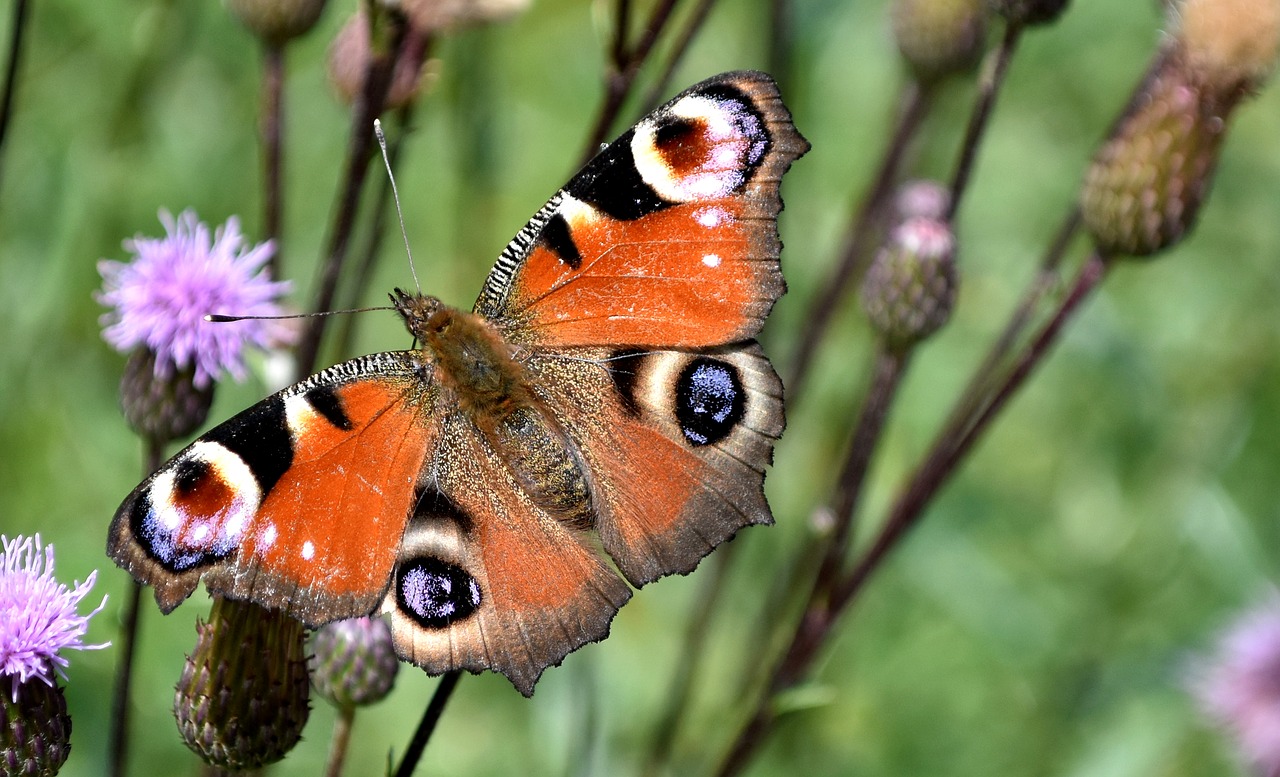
(492, 390)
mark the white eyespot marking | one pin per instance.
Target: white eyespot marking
(704, 148)
(200, 507)
(711, 260)
(268, 536)
(308, 550)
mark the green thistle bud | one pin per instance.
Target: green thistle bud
(276, 21)
(1146, 184)
(162, 408)
(1029, 12)
(241, 702)
(35, 729)
(910, 287)
(353, 661)
(939, 37)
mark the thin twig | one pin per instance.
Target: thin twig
(691, 29)
(858, 241)
(272, 124)
(122, 693)
(341, 739)
(377, 80)
(993, 73)
(17, 35)
(621, 77)
(938, 470)
(427, 726)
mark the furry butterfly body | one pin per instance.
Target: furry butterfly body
(604, 393)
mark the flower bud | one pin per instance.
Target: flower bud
(276, 21)
(353, 661)
(162, 408)
(35, 729)
(1144, 188)
(910, 287)
(939, 37)
(921, 199)
(349, 61)
(241, 701)
(444, 15)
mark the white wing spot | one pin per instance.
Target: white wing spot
(711, 260)
(308, 550)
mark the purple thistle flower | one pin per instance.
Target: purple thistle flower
(37, 613)
(1239, 686)
(160, 298)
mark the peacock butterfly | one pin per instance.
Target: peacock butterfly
(604, 392)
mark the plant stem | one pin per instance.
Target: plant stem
(625, 66)
(341, 739)
(272, 123)
(17, 36)
(694, 25)
(427, 725)
(377, 79)
(993, 72)
(859, 239)
(119, 749)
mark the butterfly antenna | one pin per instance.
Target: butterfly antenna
(220, 318)
(395, 195)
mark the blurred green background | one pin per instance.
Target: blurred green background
(1043, 618)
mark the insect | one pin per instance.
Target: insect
(604, 394)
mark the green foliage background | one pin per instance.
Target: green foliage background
(1042, 619)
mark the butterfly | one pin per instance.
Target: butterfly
(601, 418)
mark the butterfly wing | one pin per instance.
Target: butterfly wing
(667, 238)
(486, 579)
(677, 443)
(298, 503)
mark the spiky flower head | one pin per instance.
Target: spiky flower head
(160, 298)
(910, 287)
(241, 701)
(939, 37)
(1239, 685)
(353, 661)
(1145, 186)
(39, 619)
(276, 21)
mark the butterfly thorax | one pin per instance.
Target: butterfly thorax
(476, 368)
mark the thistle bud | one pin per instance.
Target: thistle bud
(349, 60)
(921, 199)
(444, 15)
(1144, 188)
(910, 287)
(35, 729)
(1028, 12)
(939, 37)
(353, 661)
(241, 701)
(276, 21)
(162, 408)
